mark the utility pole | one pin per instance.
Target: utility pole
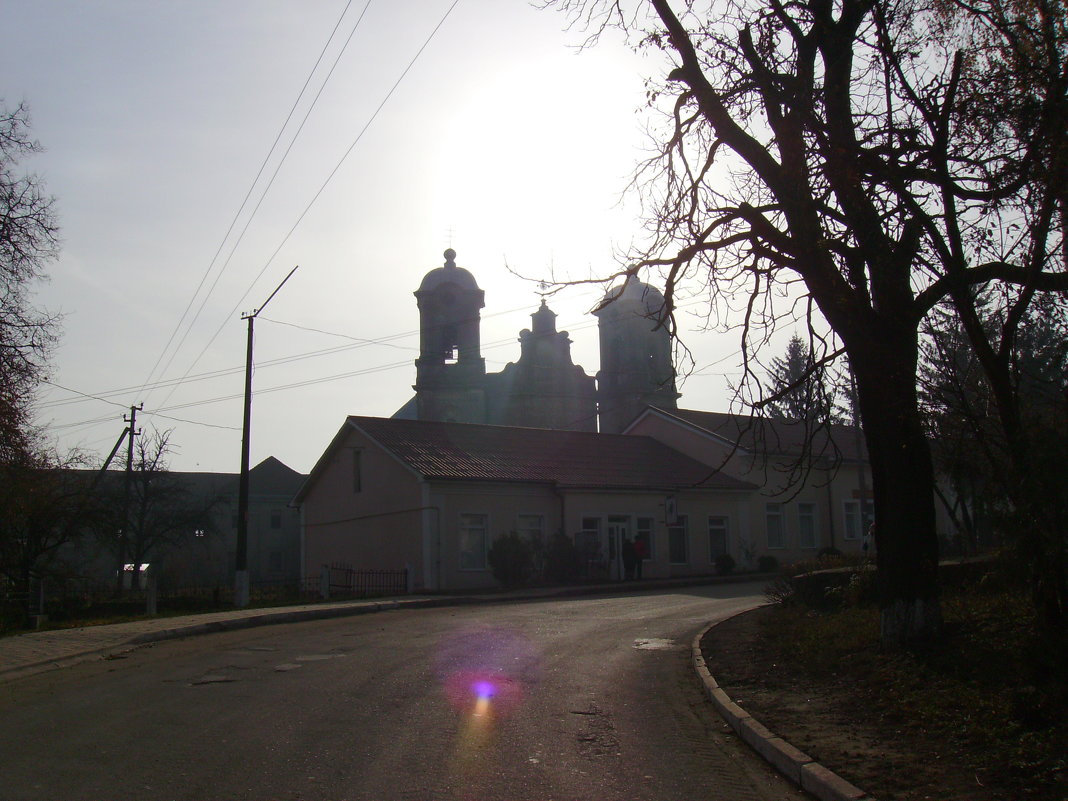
(133, 431)
(241, 582)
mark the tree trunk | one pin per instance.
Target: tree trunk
(903, 489)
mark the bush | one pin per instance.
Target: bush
(563, 562)
(725, 564)
(512, 560)
(767, 564)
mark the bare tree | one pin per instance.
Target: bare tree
(854, 163)
(162, 510)
(45, 500)
(28, 233)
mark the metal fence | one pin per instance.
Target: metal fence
(340, 580)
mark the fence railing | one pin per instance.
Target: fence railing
(340, 580)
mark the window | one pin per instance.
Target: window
(773, 521)
(276, 518)
(531, 528)
(678, 542)
(717, 537)
(644, 533)
(589, 539)
(854, 527)
(472, 542)
(357, 471)
(806, 525)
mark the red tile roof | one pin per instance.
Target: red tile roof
(567, 458)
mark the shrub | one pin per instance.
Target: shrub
(512, 560)
(563, 562)
(724, 564)
(767, 564)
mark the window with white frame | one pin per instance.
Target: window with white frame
(854, 526)
(472, 542)
(678, 542)
(589, 538)
(643, 532)
(774, 525)
(717, 536)
(531, 528)
(806, 526)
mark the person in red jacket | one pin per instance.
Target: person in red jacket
(641, 552)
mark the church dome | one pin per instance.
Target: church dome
(449, 274)
(634, 291)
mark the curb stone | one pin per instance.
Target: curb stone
(794, 764)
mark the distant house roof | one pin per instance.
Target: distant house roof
(463, 451)
(274, 477)
(271, 477)
(765, 435)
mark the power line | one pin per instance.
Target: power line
(356, 342)
(322, 188)
(248, 195)
(579, 325)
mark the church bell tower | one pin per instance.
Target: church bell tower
(636, 368)
(450, 371)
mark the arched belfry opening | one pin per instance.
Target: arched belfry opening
(450, 370)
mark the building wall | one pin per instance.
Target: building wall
(459, 504)
(625, 512)
(379, 525)
(821, 510)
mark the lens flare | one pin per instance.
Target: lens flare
(479, 691)
(485, 672)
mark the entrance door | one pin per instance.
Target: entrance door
(618, 530)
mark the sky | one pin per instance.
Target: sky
(478, 125)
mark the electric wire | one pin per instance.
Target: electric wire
(322, 188)
(237, 216)
(355, 343)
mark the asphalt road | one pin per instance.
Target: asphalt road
(584, 698)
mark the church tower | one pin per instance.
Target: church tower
(636, 369)
(450, 371)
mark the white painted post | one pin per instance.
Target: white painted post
(324, 583)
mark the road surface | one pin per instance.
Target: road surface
(583, 698)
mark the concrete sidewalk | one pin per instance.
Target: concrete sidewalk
(37, 651)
